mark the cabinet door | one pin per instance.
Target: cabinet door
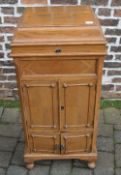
(41, 104)
(45, 143)
(76, 142)
(77, 103)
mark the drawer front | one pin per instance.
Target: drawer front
(76, 142)
(55, 50)
(57, 66)
(44, 143)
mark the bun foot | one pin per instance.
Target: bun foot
(30, 166)
(92, 165)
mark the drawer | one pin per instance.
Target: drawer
(57, 66)
(64, 143)
(57, 50)
(44, 142)
(76, 142)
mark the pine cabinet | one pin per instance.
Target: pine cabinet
(59, 54)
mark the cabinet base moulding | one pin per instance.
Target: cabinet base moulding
(91, 158)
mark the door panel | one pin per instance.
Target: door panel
(41, 104)
(77, 104)
(45, 143)
(76, 142)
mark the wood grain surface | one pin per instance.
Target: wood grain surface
(59, 54)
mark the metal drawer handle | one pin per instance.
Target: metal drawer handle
(62, 147)
(58, 50)
(58, 147)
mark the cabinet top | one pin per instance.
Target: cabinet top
(54, 25)
(68, 16)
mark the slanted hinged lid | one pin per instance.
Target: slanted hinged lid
(58, 25)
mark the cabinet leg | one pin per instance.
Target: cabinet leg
(30, 165)
(92, 164)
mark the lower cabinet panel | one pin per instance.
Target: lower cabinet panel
(45, 143)
(67, 143)
(76, 142)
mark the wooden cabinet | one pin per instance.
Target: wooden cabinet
(59, 54)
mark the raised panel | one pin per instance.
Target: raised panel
(45, 143)
(41, 104)
(76, 142)
(57, 66)
(77, 103)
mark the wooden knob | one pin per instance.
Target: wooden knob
(91, 84)
(88, 125)
(26, 85)
(65, 126)
(53, 85)
(65, 85)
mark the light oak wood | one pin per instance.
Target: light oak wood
(41, 101)
(58, 66)
(77, 100)
(59, 54)
(76, 142)
(45, 143)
